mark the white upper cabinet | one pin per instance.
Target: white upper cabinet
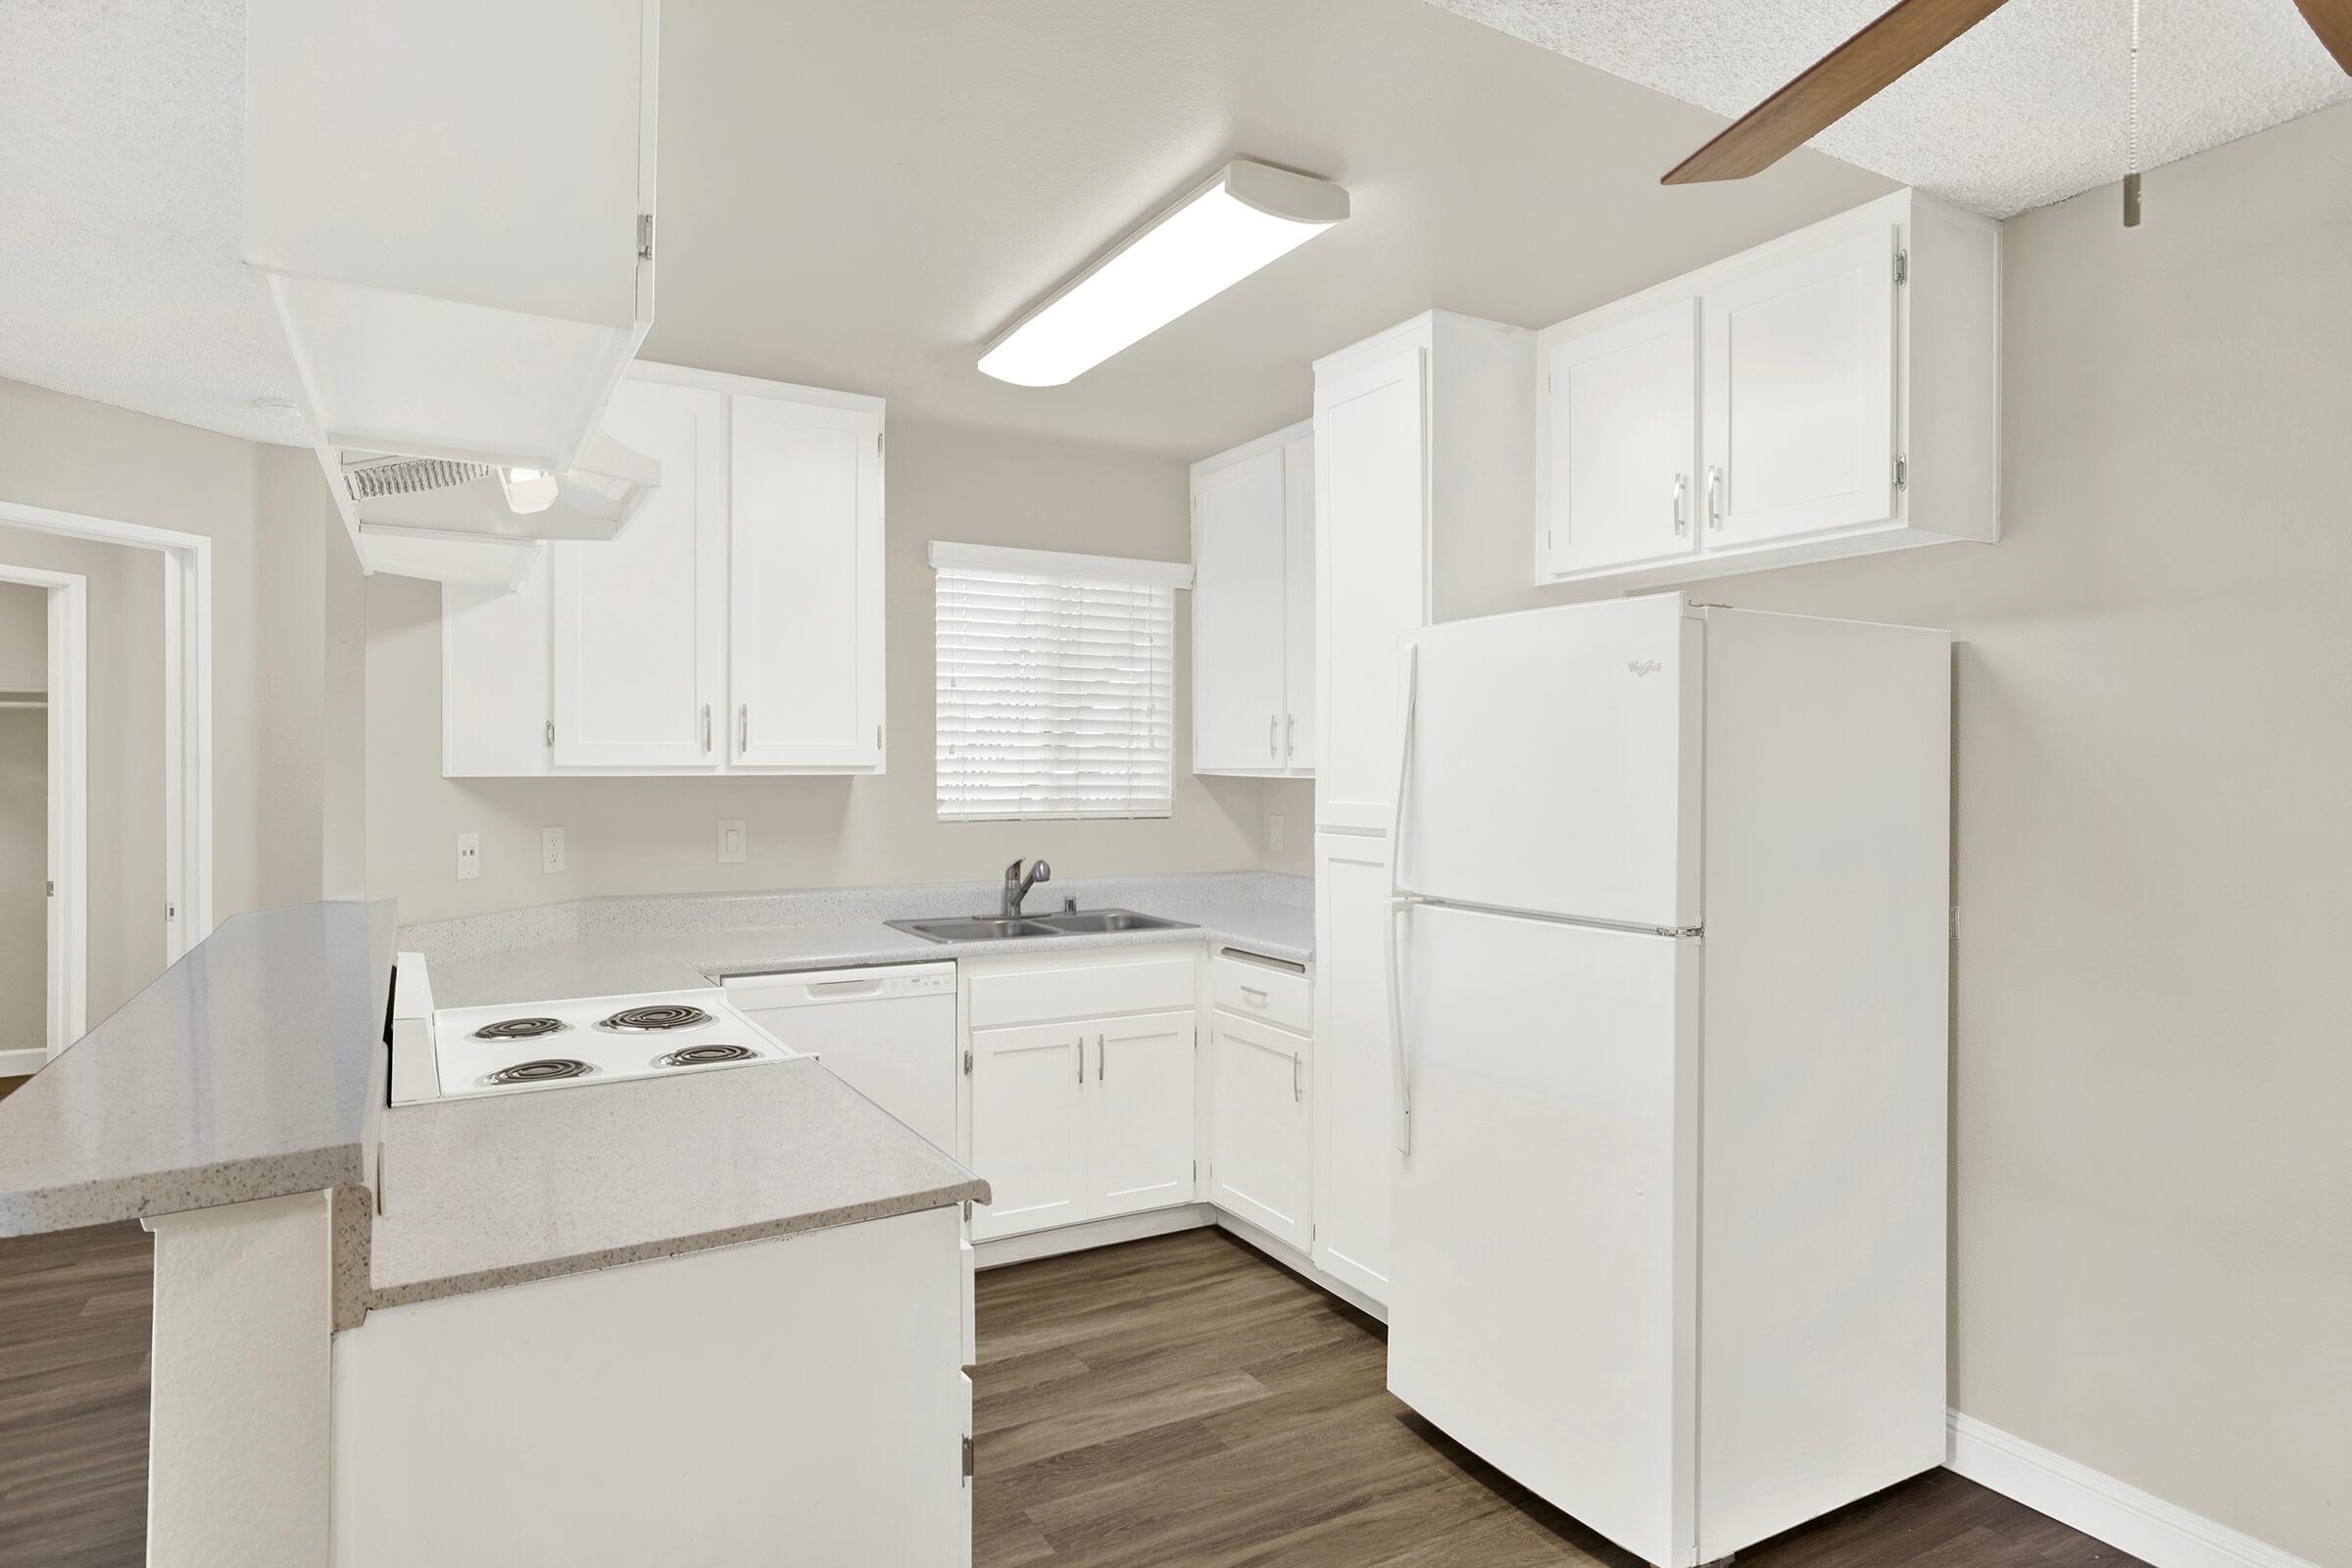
(1252, 587)
(1845, 401)
(449, 208)
(1620, 447)
(1429, 418)
(734, 626)
(1800, 393)
(806, 588)
(638, 657)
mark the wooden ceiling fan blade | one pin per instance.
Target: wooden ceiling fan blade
(1834, 85)
(2332, 19)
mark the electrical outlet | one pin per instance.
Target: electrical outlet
(551, 851)
(1274, 832)
(469, 857)
(734, 843)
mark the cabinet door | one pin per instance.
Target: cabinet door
(1028, 1128)
(1140, 1113)
(1355, 1097)
(639, 620)
(1371, 575)
(1621, 442)
(1799, 364)
(1298, 612)
(1237, 649)
(1260, 1162)
(494, 679)
(806, 595)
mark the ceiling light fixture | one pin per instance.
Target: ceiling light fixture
(1245, 216)
(528, 490)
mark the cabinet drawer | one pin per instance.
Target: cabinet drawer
(1261, 991)
(1080, 989)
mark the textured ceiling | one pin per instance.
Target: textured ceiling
(858, 195)
(2026, 108)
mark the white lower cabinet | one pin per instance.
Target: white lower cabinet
(1080, 1111)
(1261, 1141)
(1354, 1073)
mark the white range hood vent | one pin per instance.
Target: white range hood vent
(479, 522)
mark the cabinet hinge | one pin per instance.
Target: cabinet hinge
(967, 1064)
(551, 732)
(645, 237)
(1902, 471)
(1902, 268)
(967, 1460)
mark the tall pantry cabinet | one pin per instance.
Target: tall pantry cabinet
(1425, 428)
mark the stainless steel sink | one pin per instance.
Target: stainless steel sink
(1087, 922)
(973, 928)
(1076, 923)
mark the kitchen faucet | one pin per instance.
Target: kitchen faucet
(1017, 886)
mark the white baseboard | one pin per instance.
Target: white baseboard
(1092, 1234)
(2123, 1516)
(1298, 1263)
(23, 1063)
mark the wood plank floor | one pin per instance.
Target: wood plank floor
(74, 1309)
(1183, 1401)
(1177, 1402)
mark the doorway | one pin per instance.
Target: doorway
(43, 832)
(50, 713)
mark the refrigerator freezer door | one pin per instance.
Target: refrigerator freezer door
(1554, 762)
(1543, 1228)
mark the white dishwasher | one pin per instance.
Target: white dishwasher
(889, 1032)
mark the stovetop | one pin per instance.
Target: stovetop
(508, 1049)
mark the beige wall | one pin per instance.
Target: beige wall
(661, 835)
(276, 564)
(2152, 1049)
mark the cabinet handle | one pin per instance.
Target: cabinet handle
(1682, 491)
(1270, 751)
(1714, 498)
(1290, 735)
(743, 729)
(1297, 1092)
(1259, 994)
(706, 729)
(1102, 1058)
(1082, 1058)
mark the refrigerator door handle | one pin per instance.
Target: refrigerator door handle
(1408, 701)
(1398, 906)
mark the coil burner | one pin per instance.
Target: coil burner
(657, 1019)
(704, 1055)
(546, 1070)
(519, 1028)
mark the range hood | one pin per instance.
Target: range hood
(449, 218)
(458, 520)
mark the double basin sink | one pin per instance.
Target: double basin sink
(1073, 923)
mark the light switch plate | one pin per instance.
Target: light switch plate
(551, 851)
(733, 844)
(469, 857)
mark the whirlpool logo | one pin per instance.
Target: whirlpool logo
(1643, 666)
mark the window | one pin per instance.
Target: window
(1056, 684)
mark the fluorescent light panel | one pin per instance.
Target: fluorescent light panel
(1245, 217)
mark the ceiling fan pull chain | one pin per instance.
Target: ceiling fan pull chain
(2132, 133)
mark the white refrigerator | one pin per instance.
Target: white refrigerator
(1669, 1003)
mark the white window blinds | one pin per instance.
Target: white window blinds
(1055, 678)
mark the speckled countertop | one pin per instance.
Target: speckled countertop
(614, 947)
(500, 1189)
(249, 1069)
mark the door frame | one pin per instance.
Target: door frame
(187, 566)
(65, 956)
